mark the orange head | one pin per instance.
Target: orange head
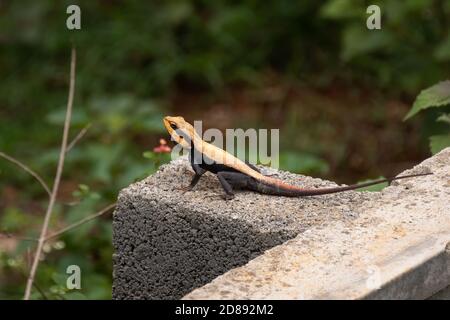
(181, 131)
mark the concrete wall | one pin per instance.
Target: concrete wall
(388, 244)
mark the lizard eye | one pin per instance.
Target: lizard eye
(173, 126)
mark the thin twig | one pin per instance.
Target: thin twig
(6, 235)
(59, 170)
(23, 274)
(82, 221)
(63, 230)
(39, 289)
(78, 137)
(27, 169)
(71, 203)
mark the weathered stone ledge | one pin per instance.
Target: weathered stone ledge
(396, 247)
(342, 246)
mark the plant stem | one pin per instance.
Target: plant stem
(57, 178)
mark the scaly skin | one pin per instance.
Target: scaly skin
(235, 173)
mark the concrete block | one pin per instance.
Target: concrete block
(397, 246)
(168, 243)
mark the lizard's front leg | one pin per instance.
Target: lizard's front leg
(198, 174)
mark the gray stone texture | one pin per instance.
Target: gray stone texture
(168, 243)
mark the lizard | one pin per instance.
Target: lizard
(234, 173)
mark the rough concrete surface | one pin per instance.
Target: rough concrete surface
(393, 244)
(444, 294)
(168, 243)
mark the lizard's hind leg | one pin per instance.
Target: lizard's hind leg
(230, 180)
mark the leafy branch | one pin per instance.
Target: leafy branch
(433, 97)
(53, 192)
(27, 169)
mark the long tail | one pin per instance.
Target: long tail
(277, 187)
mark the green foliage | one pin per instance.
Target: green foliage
(398, 55)
(133, 57)
(439, 142)
(358, 41)
(302, 163)
(146, 48)
(13, 220)
(105, 160)
(442, 51)
(342, 9)
(434, 97)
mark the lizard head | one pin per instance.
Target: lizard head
(181, 131)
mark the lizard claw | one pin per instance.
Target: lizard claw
(227, 197)
(184, 189)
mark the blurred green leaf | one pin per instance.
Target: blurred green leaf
(60, 278)
(75, 295)
(13, 219)
(439, 142)
(149, 155)
(103, 159)
(82, 191)
(444, 118)
(359, 40)
(96, 286)
(339, 9)
(435, 96)
(176, 12)
(302, 163)
(57, 117)
(442, 51)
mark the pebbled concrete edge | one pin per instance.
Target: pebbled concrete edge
(428, 273)
(418, 267)
(167, 242)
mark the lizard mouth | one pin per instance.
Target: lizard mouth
(167, 124)
(171, 128)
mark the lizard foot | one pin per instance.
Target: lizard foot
(228, 197)
(184, 189)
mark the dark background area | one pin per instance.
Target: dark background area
(337, 91)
